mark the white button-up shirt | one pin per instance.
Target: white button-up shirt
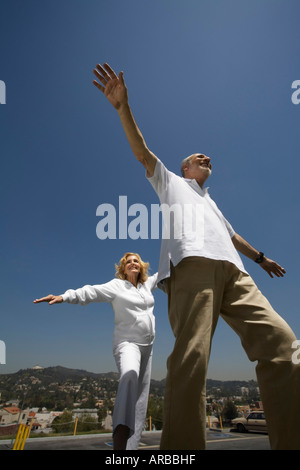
(198, 227)
(133, 307)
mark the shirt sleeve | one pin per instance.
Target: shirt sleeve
(152, 280)
(97, 293)
(231, 231)
(160, 178)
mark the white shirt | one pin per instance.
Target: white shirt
(210, 233)
(133, 307)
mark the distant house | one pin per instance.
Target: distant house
(78, 413)
(44, 419)
(11, 414)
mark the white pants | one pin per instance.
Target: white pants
(134, 365)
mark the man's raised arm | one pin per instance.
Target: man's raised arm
(115, 90)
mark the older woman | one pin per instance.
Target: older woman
(130, 295)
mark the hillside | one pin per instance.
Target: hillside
(60, 387)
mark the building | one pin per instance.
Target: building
(12, 415)
(79, 412)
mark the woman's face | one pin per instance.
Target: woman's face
(132, 266)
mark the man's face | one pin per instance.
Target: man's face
(198, 168)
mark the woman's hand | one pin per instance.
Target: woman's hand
(51, 299)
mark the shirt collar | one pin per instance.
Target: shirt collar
(195, 185)
(139, 285)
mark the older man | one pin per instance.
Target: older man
(204, 277)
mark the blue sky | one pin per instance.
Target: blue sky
(203, 76)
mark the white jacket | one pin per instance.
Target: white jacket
(133, 307)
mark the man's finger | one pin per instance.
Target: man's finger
(97, 84)
(121, 78)
(100, 77)
(103, 72)
(110, 70)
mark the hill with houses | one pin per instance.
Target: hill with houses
(60, 387)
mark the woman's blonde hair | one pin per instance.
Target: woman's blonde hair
(120, 268)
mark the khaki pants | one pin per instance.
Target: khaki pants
(199, 290)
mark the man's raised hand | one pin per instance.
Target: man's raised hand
(111, 85)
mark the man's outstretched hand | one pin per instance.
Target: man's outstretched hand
(113, 86)
(271, 267)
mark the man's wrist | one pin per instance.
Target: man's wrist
(259, 258)
(123, 108)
